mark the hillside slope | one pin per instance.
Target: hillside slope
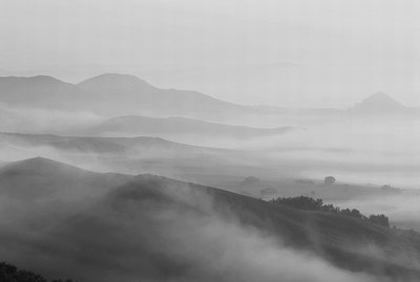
(154, 228)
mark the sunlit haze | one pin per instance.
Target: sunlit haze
(300, 53)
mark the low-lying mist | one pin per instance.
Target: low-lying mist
(51, 121)
(379, 151)
(110, 238)
(130, 234)
(354, 149)
(402, 208)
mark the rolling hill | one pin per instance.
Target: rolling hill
(178, 126)
(154, 228)
(101, 145)
(40, 178)
(130, 154)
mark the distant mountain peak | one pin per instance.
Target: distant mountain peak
(381, 98)
(115, 76)
(40, 164)
(36, 78)
(44, 78)
(115, 79)
(379, 102)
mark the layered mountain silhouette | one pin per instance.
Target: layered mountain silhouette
(111, 95)
(149, 227)
(101, 145)
(39, 91)
(121, 95)
(130, 154)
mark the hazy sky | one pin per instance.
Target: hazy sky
(279, 52)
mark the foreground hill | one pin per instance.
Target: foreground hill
(152, 228)
(141, 125)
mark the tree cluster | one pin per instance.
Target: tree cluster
(10, 273)
(308, 203)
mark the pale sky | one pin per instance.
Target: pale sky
(277, 52)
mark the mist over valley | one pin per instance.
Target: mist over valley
(189, 141)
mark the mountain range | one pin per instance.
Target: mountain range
(111, 95)
(121, 95)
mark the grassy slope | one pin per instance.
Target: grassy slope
(113, 219)
(340, 239)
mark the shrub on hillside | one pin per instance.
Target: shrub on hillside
(311, 204)
(10, 273)
(329, 180)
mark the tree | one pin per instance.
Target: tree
(379, 219)
(302, 202)
(310, 204)
(328, 180)
(10, 273)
